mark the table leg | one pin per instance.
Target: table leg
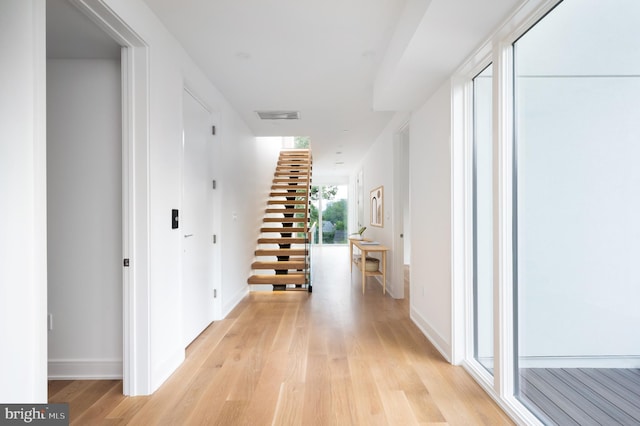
(363, 266)
(351, 255)
(384, 272)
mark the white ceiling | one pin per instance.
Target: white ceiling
(327, 59)
(346, 65)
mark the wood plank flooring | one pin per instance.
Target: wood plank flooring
(583, 396)
(333, 357)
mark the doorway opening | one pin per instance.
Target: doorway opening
(401, 215)
(85, 198)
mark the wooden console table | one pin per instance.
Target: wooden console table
(364, 250)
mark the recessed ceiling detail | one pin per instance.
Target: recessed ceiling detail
(278, 115)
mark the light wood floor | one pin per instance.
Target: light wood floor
(333, 357)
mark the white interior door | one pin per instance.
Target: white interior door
(195, 221)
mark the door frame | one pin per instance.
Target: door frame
(398, 213)
(136, 372)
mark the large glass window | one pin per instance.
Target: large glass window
(483, 219)
(577, 204)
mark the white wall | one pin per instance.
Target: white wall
(23, 279)
(23, 267)
(265, 162)
(234, 169)
(430, 144)
(377, 168)
(84, 191)
(430, 216)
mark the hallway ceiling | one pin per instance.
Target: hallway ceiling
(346, 66)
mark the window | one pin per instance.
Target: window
(576, 204)
(483, 219)
(329, 210)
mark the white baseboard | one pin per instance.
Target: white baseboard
(234, 300)
(440, 344)
(595, 361)
(166, 368)
(85, 369)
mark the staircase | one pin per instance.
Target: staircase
(284, 247)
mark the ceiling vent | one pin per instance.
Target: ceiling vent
(279, 115)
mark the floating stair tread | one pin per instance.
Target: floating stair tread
(281, 252)
(287, 211)
(278, 279)
(279, 265)
(287, 202)
(291, 172)
(293, 163)
(287, 181)
(300, 179)
(291, 185)
(285, 219)
(298, 193)
(302, 170)
(283, 229)
(283, 240)
(285, 187)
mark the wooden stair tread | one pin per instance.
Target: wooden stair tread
(283, 240)
(279, 265)
(285, 219)
(282, 229)
(299, 193)
(290, 202)
(301, 179)
(286, 211)
(278, 279)
(289, 196)
(290, 172)
(286, 172)
(286, 187)
(293, 163)
(281, 252)
(295, 151)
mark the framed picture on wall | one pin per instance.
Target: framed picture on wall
(376, 200)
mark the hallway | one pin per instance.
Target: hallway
(335, 356)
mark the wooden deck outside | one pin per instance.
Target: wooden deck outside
(582, 396)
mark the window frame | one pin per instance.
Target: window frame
(498, 51)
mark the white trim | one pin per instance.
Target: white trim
(512, 407)
(496, 50)
(396, 289)
(503, 215)
(85, 369)
(39, 285)
(459, 232)
(461, 204)
(187, 88)
(136, 370)
(436, 339)
(162, 371)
